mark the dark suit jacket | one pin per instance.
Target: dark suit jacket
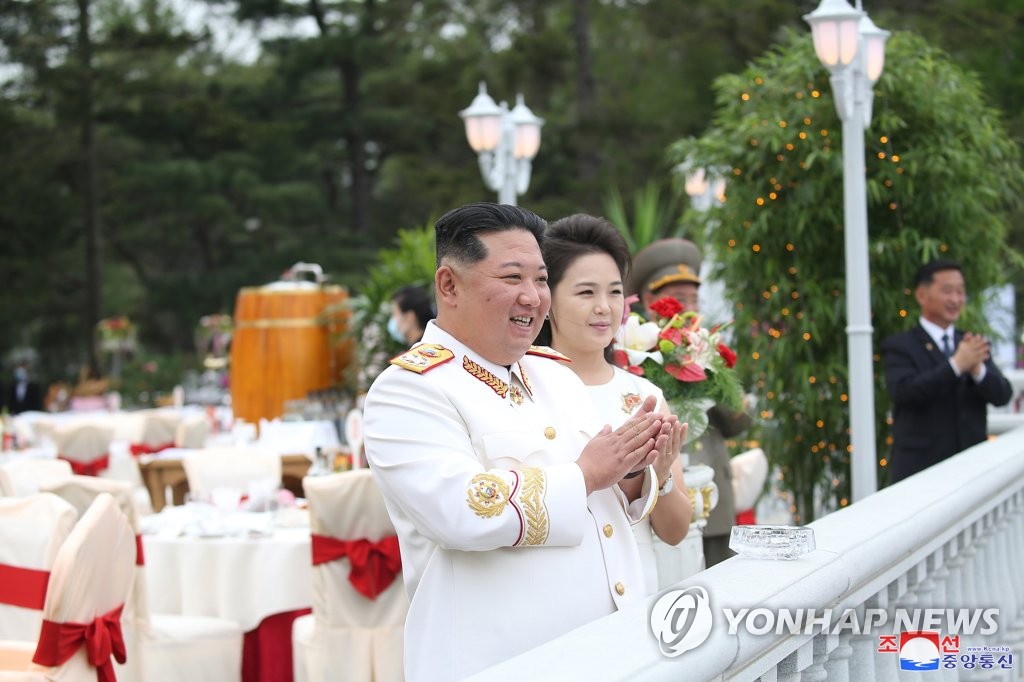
(935, 414)
(33, 399)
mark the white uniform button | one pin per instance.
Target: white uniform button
(608, 530)
(549, 433)
(620, 588)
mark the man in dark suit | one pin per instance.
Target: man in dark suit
(24, 394)
(940, 379)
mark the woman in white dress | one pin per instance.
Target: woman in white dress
(588, 261)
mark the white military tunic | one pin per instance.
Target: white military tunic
(501, 548)
(663, 564)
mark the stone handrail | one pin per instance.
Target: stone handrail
(951, 536)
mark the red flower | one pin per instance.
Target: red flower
(672, 334)
(689, 372)
(620, 359)
(728, 354)
(667, 307)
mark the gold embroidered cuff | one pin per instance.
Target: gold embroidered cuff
(529, 499)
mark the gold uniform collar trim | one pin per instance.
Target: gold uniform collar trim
(489, 379)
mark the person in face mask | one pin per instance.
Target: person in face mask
(24, 394)
(411, 309)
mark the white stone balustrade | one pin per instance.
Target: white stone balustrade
(951, 536)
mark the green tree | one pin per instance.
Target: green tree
(942, 178)
(653, 217)
(409, 261)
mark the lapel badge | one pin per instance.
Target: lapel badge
(630, 401)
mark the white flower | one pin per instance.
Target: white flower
(702, 347)
(639, 335)
(639, 340)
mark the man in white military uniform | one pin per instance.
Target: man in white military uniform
(512, 504)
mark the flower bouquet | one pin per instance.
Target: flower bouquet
(116, 334)
(691, 364)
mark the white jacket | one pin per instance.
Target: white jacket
(501, 548)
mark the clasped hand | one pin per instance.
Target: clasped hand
(971, 352)
(610, 455)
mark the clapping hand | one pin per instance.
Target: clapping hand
(971, 352)
(610, 455)
(668, 454)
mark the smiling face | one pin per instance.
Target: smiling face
(586, 306)
(496, 306)
(943, 298)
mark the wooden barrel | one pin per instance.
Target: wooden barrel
(288, 341)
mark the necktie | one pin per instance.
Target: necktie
(947, 346)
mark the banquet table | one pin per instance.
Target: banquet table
(252, 568)
(294, 437)
(165, 470)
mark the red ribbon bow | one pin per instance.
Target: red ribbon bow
(374, 564)
(143, 449)
(58, 642)
(91, 468)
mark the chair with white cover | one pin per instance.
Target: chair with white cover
(239, 468)
(32, 529)
(359, 599)
(159, 429)
(161, 647)
(749, 473)
(192, 431)
(85, 446)
(90, 580)
(26, 476)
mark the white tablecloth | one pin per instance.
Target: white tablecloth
(242, 578)
(294, 438)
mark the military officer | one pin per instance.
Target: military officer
(670, 267)
(511, 502)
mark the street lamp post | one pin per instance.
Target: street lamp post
(706, 189)
(505, 142)
(853, 50)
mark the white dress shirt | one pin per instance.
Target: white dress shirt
(938, 334)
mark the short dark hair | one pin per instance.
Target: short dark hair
(578, 235)
(417, 300)
(456, 233)
(926, 273)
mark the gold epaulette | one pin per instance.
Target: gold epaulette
(548, 352)
(423, 357)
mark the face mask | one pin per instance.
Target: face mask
(393, 331)
(20, 374)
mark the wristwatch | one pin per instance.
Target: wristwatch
(667, 486)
